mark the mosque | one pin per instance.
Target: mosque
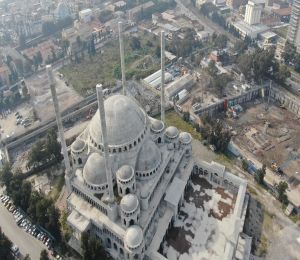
(128, 178)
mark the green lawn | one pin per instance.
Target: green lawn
(103, 67)
(172, 119)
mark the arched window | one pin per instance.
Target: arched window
(127, 191)
(134, 143)
(131, 222)
(125, 222)
(108, 242)
(120, 149)
(115, 246)
(121, 251)
(79, 160)
(130, 146)
(114, 151)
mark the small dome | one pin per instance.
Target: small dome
(133, 236)
(125, 172)
(94, 170)
(172, 132)
(157, 125)
(149, 157)
(185, 138)
(129, 203)
(78, 145)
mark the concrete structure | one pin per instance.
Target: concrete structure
(162, 94)
(85, 15)
(122, 57)
(60, 128)
(293, 34)
(234, 4)
(253, 13)
(185, 82)
(251, 31)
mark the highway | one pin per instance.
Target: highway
(26, 243)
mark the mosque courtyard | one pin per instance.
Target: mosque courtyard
(204, 224)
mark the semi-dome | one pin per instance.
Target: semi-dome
(133, 236)
(185, 138)
(172, 132)
(129, 203)
(77, 145)
(149, 157)
(125, 172)
(157, 125)
(94, 170)
(125, 121)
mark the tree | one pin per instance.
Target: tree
(186, 116)
(289, 52)
(6, 174)
(281, 191)
(135, 43)
(158, 51)
(221, 41)
(260, 175)
(91, 248)
(212, 69)
(49, 28)
(37, 154)
(79, 42)
(25, 93)
(5, 246)
(240, 46)
(281, 73)
(244, 164)
(22, 40)
(53, 147)
(27, 257)
(44, 255)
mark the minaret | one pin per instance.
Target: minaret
(60, 128)
(162, 111)
(122, 57)
(104, 141)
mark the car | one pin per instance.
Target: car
(17, 113)
(27, 124)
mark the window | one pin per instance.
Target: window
(159, 140)
(127, 191)
(131, 223)
(79, 160)
(114, 151)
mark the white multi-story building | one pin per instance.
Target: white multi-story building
(293, 34)
(253, 12)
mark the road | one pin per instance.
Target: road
(209, 25)
(26, 243)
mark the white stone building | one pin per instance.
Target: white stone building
(150, 166)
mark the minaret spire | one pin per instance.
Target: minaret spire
(60, 128)
(104, 141)
(162, 112)
(122, 57)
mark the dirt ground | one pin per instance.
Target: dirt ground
(8, 126)
(279, 142)
(41, 96)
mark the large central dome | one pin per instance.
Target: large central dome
(125, 121)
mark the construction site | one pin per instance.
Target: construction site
(270, 135)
